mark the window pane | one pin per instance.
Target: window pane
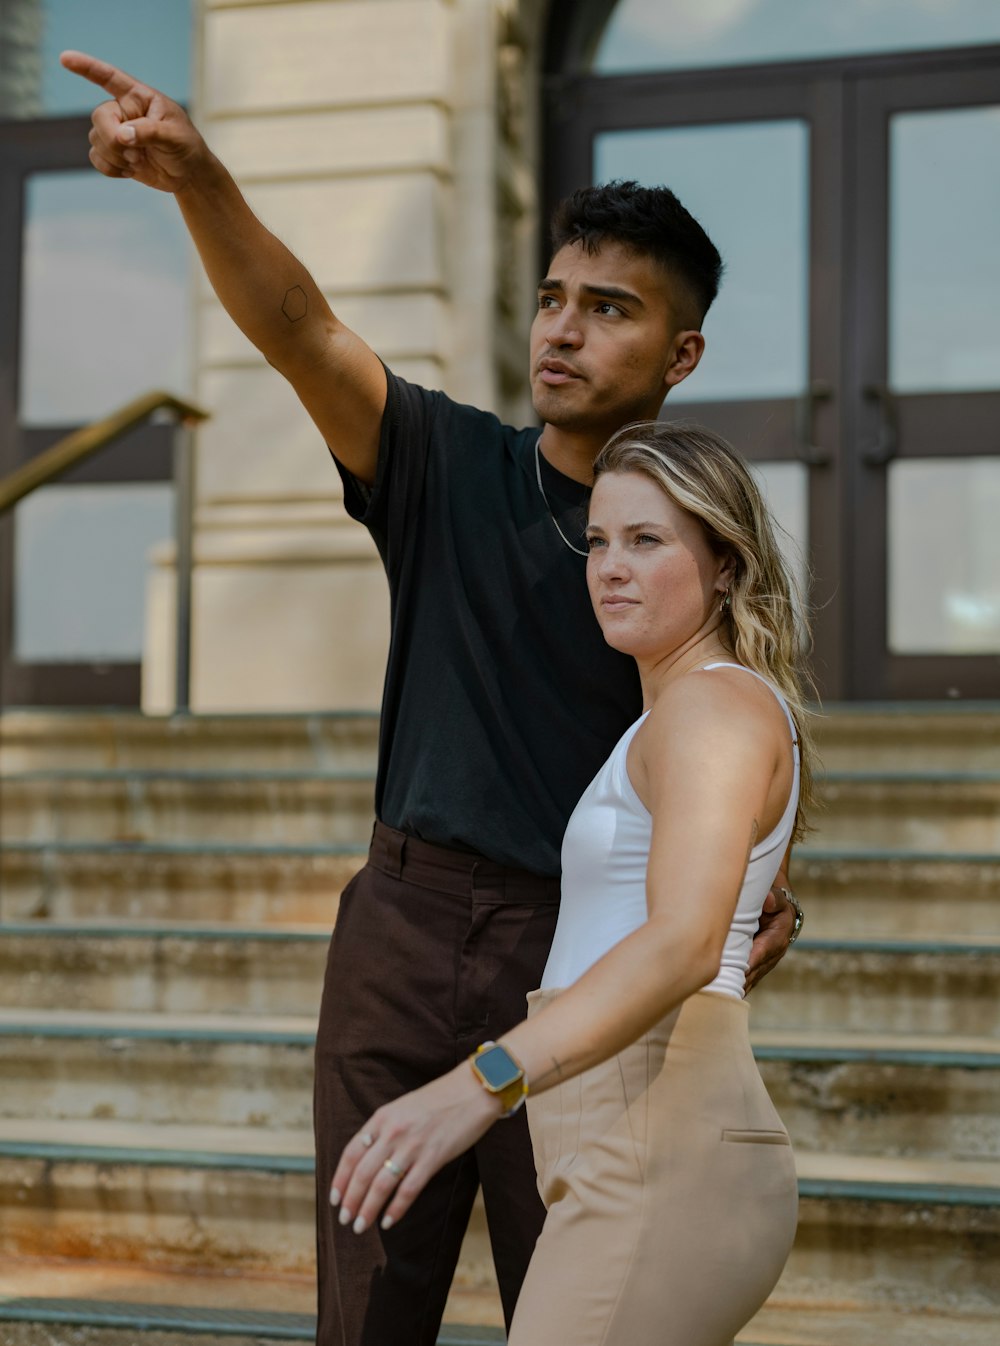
(747, 184)
(944, 258)
(786, 490)
(104, 307)
(80, 570)
(149, 38)
(675, 34)
(944, 556)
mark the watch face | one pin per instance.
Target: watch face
(497, 1068)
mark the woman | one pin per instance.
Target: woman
(667, 1174)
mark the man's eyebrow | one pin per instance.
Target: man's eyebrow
(613, 292)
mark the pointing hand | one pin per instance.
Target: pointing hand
(141, 134)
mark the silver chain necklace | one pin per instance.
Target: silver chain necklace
(545, 498)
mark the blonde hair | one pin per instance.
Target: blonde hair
(764, 620)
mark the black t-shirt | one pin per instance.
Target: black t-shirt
(501, 697)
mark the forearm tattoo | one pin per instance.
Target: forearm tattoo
(295, 304)
(552, 1076)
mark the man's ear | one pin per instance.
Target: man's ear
(685, 352)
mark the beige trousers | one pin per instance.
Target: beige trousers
(670, 1190)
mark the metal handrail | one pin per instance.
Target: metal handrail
(91, 439)
(87, 441)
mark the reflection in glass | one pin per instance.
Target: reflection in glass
(149, 38)
(747, 184)
(944, 257)
(675, 35)
(785, 487)
(80, 570)
(944, 556)
(104, 306)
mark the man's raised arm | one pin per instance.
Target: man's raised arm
(267, 292)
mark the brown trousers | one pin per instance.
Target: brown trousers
(434, 951)
(670, 1187)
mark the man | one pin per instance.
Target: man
(501, 698)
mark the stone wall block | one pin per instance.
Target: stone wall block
(377, 233)
(397, 326)
(260, 440)
(325, 55)
(374, 140)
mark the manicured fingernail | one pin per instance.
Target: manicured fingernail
(345, 1215)
(126, 133)
(334, 1197)
(359, 1225)
(387, 1221)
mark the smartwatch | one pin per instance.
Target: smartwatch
(501, 1074)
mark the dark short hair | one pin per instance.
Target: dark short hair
(646, 220)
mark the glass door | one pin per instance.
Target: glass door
(926, 486)
(853, 354)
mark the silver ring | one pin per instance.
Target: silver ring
(394, 1169)
(367, 1139)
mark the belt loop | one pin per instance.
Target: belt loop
(395, 850)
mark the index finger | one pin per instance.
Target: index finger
(114, 81)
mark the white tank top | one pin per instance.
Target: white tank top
(604, 856)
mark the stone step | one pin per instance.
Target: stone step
(884, 1094)
(877, 1094)
(872, 1230)
(290, 808)
(902, 735)
(884, 893)
(115, 1297)
(924, 1235)
(918, 812)
(909, 736)
(226, 1318)
(182, 1069)
(863, 893)
(944, 985)
(102, 740)
(134, 881)
(166, 968)
(918, 985)
(923, 812)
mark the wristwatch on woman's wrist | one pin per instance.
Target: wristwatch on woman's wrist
(501, 1074)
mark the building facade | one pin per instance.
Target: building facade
(408, 151)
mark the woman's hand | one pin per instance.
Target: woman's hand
(405, 1143)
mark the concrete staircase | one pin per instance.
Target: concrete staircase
(167, 888)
